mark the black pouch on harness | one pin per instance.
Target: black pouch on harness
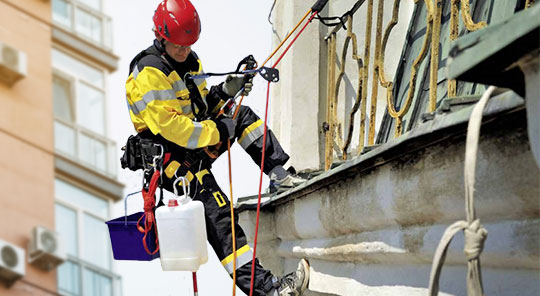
(132, 158)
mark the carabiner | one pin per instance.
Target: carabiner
(156, 158)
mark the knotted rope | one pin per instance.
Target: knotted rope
(475, 234)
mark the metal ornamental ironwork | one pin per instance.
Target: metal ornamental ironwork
(335, 140)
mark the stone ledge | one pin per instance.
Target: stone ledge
(441, 127)
(510, 244)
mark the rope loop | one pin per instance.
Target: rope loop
(475, 236)
(475, 233)
(341, 20)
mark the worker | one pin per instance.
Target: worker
(162, 109)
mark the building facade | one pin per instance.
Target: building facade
(58, 164)
(382, 100)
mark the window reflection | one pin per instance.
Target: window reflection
(61, 12)
(80, 221)
(90, 105)
(88, 25)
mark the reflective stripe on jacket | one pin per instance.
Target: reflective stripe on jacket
(158, 100)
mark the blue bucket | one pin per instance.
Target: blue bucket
(126, 239)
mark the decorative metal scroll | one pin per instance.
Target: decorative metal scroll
(335, 140)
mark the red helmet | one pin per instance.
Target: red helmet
(178, 22)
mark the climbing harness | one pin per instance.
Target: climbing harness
(199, 106)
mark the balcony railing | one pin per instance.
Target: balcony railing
(418, 83)
(84, 146)
(83, 21)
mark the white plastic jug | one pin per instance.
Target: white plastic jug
(182, 233)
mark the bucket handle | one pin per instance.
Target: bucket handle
(186, 188)
(125, 205)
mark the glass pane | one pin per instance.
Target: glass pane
(83, 199)
(96, 284)
(93, 152)
(95, 230)
(69, 279)
(77, 68)
(61, 12)
(66, 226)
(95, 4)
(107, 39)
(85, 150)
(100, 153)
(62, 99)
(64, 138)
(88, 25)
(112, 160)
(90, 108)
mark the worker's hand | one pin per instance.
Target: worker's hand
(233, 84)
(226, 127)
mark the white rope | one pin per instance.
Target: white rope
(475, 234)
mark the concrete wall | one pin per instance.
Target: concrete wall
(299, 99)
(26, 137)
(375, 233)
(295, 97)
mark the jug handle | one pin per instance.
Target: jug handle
(186, 188)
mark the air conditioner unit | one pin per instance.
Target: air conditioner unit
(12, 264)
(44, 249)
(12, 64)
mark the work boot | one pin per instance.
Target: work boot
(286, 183)
(284, 180)
(295, 283)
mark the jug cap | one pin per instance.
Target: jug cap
(172, 203)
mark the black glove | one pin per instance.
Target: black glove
(233, 84)
(226, 127)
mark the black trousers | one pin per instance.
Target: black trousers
(203, 187)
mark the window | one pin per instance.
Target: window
(84, 18)
(80, 221)
(79, 111)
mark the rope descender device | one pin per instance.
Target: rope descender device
(269, 74)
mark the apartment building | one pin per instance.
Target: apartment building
(58, 166)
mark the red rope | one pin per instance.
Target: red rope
(296, 37)
(260, 189)
(263, 154)
(148, 216)
(195, 288)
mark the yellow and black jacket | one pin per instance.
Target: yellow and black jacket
(158, 99)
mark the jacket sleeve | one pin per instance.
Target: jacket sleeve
(152, 95)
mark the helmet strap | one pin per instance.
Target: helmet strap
(162, 45)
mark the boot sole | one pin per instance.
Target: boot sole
(306, 265)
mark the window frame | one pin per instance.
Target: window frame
(57, 74)
(76, 80)
(77, 260)
(106, 27)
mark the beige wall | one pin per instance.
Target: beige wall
(26, 137)
(299, 99)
